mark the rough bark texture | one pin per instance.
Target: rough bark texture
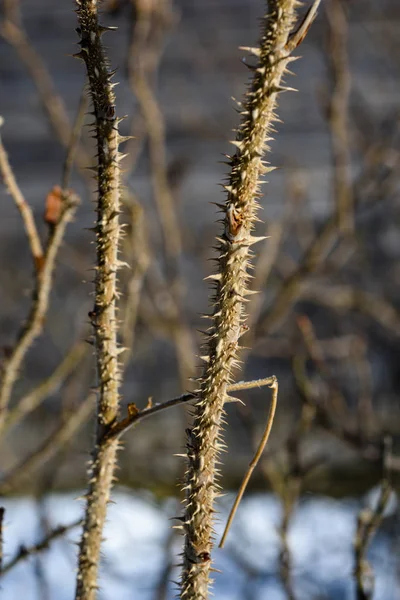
(228, 318)
(103, 316)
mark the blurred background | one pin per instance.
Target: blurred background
(326, 322)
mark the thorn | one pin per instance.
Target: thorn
(255, 51)
(237, 143)
(233, 399)
(279, 88)
(103, 29)
(215, 276)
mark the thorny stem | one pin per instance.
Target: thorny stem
(240, 215)
(339, 108)
(368, 523)
(103, 316)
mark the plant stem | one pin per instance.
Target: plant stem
(103, 316)
(228, 318)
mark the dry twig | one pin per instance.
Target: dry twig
(25, 552)
(23, 207)
(49, 447)
(273, 384)
(40, 300)
(367, 526)
(33, 399)
(338, 109)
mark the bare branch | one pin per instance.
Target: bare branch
(134, 415)
(273, 384)
(239, 211)
(49, 447)
(33, 399)
(23, 207)
(367, 525)
(40, 301)
(2, 512)
(25, 552)
(339, 121)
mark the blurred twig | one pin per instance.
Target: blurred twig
(2, 512)
(273, 384)
(142, 89)
(11, 29)
(33, 399)
(49, 447)
(139, 259)
(134, 415)
(75, 135)
(25, 552)
(367, 526)
(23, 207)
(338, 114)
(40, 300)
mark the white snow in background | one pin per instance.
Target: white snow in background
(138, 527)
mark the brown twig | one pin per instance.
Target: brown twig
(104, 315)
(73, 144)
(33, 399)
(40, 300)
(25, 552)
(338, 112)
(231, 283)
(273, 384)
(155, 126)
(49, 447)
(12, 31)
(367, 525)
(151, 22)
(348, 298)
(26, 212)
(271, 318)
(2, 512)
(140, 261)
(134, 415)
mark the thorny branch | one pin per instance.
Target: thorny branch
(104, 314)
(231, 282)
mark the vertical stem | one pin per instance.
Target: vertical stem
(103, 316)
(231, 280)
